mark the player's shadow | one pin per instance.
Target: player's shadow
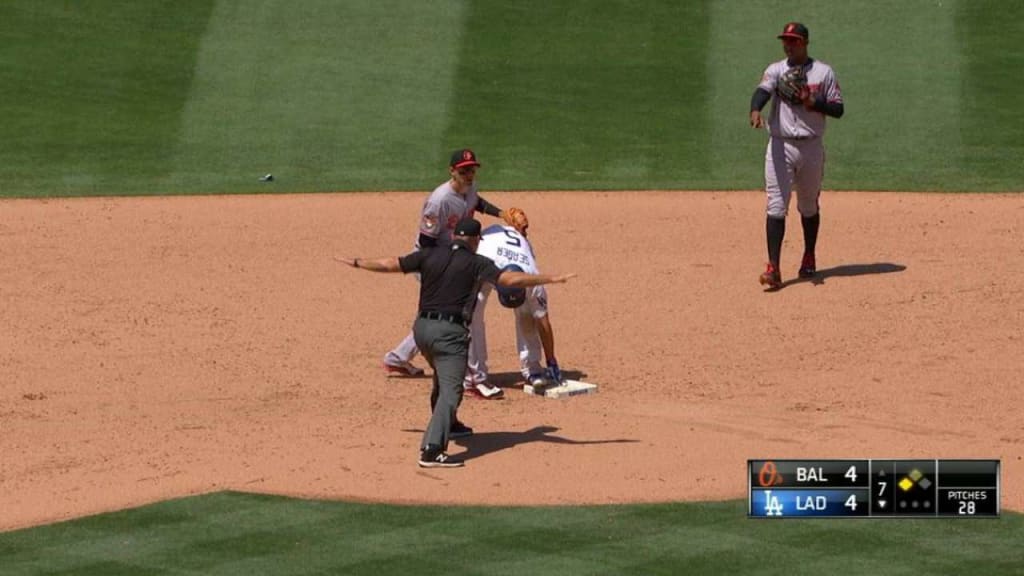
(846, 270)
(484, 443)
(515, 379)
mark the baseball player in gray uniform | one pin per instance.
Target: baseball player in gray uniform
(795, 158)
(450, 202)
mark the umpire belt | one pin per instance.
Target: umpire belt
(445, 316)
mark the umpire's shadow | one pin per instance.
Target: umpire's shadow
(846, 270)
(484, 443)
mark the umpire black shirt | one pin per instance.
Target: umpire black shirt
(450, 277)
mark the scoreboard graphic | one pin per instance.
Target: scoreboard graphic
(872, 488)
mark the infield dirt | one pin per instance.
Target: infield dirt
(160, 347)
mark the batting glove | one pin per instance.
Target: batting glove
(554, 372)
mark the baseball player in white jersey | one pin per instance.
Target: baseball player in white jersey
(510, 250)
(457, 198)
(795, 157)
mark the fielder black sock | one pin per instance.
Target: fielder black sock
(810, 232)
(775, 229)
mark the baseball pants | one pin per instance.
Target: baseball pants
(476, 369)
(404, 352)
(528, 342)
(793, 165)
(445, 345)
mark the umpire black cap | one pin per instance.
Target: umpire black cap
(467, 227)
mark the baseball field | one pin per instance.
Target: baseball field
(190, 384)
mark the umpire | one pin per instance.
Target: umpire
(450, 279)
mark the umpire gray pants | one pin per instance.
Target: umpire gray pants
(445, 345)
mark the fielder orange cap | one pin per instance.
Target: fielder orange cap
(463, 158)
(795, 30)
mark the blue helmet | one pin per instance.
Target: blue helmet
(511, 297)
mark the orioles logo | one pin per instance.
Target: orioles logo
(429, 222)
(769, 475)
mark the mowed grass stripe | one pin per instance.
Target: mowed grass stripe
(233, 533)
(740, 48)
(601, 94)
(900, 71)
(324, 95)
(131, 540)
(906, 136)
(91, 92)
(238, 534)
(990, 33)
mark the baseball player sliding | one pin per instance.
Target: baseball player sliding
(509, 249)
(803, 92)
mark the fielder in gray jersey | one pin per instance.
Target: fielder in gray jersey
(450, 202)
(795, 157)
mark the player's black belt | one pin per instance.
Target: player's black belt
(445, 316)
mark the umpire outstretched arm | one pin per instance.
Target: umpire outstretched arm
(372, 264)
(513, 279)
(508, 278)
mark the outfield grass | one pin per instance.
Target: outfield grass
(586, 95)
(206, 96)
(91, 93)
(992, 126)
(235, 533)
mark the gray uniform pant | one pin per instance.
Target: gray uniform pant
(445, 345)
(793, 165)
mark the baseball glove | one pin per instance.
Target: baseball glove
(516, 218)
(792, 86)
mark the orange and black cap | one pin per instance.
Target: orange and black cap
(795, 30)
(463, 158)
